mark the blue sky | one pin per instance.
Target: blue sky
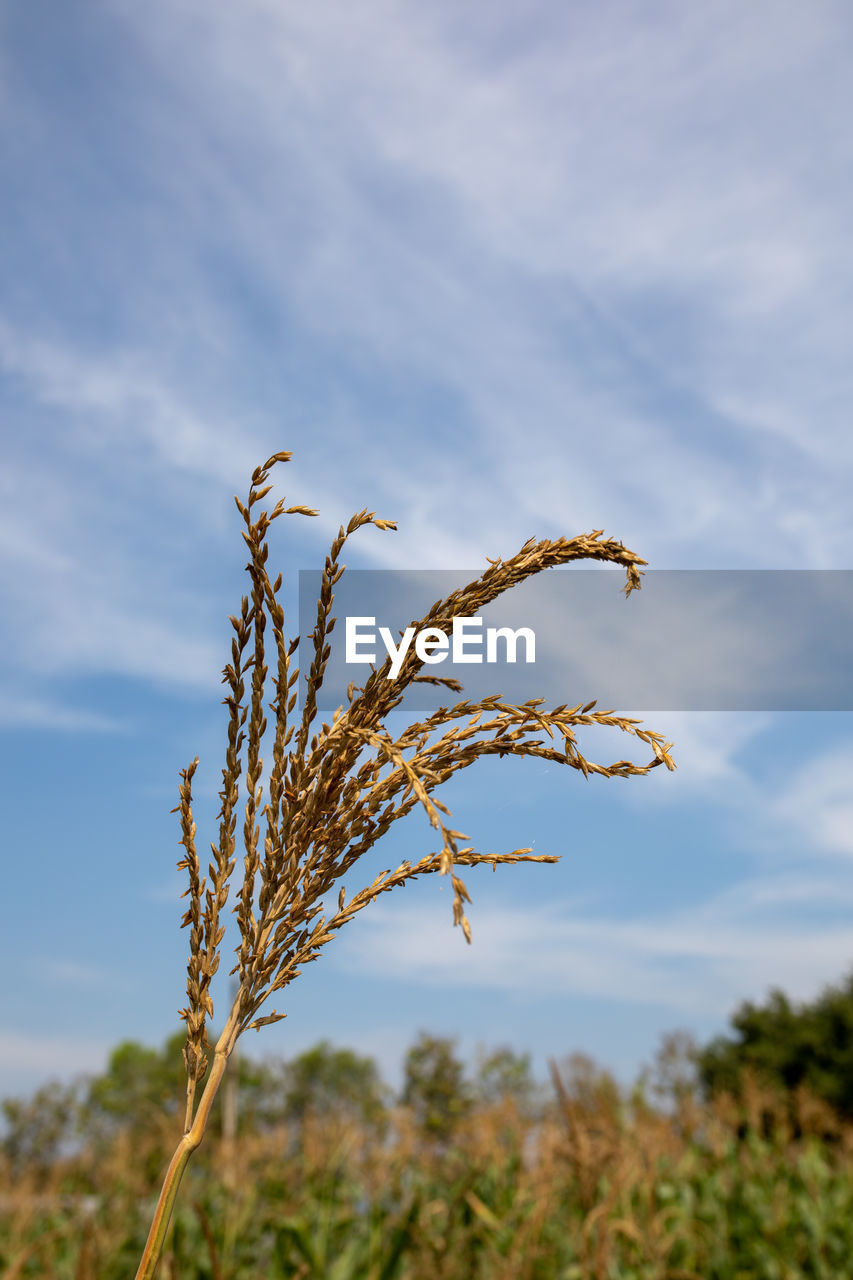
(493, 271)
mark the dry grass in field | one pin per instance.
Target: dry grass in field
(593, 1184)
(322, 813)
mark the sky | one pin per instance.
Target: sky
(494, 272)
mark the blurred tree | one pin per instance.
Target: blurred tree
(39, 1129)
(788, 1045)
(326, 1081)
(139, 1084)
(589, 1087)
(504, 1073)
(435, 1087)
(261, 1094)
(672, 1077)
(142, 1087)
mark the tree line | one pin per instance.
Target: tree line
(142, 1085)
(781, 1043)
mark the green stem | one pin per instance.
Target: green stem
(189, 1143)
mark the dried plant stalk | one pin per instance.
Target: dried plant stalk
(323, 813)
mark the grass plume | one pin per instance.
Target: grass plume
(323, 809)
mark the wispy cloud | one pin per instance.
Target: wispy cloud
(45, 713)
(815, 804)
(115, 391)
(537, 292)
(697, 960)
(585, 243)
(710, 750)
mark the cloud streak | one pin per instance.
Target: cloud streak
(696, 961)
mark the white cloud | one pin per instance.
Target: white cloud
(707, 750)
(815, 805)
(47, 713)
(117, 389)
(93, 584)
(607, 240)
(799, 814)
(699, 960)
(98, 619)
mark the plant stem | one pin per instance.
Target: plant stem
(189, 1143)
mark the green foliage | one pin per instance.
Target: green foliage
(693, 1207)
(324, 1080)
(673, 1076)
(504, 1074)
(38, 1129)
(789, 1046)
(435, 1087)
(616, 1189)
(139, 1084)
(590, 1085)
